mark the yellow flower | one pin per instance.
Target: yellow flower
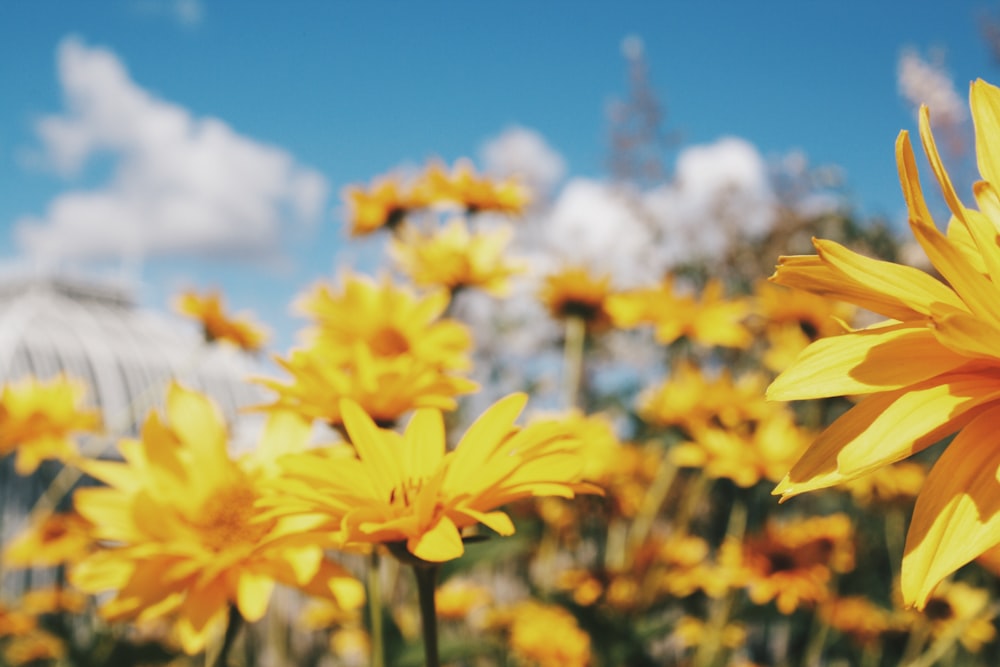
(390, 320)
(408, 489)
(896, 484)
(546, 635)
(458, 598)
(956, 606)
(33, 648)
(38, 420)
(711, 320)
(857, 617)
(217, 325)
(385, 388)
(54, 540)
(746, 454)
(690, 398)
(930, 370)
(53, 600)
(575, 292)
(384, 204)
(473, 192)
(791, 563)
(184, 539)
(455, 259)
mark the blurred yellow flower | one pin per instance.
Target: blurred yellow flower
(956, 606)
(475, 193)
(54, 600)
(690, 397)
(38, 420)
(711, 320)
(37, 646)
(745, 454)
(389, 319)
(791, 563)
(456, 259)
(458, 598)
(408, 490)
(545, 635)
(576, 292)
(896, 484)
(217, 325)
(951, 328)
(56, 539)
(385, 388)
(184, 539)
(857, 617)
(384, 204)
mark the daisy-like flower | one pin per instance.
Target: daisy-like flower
(384, 204)
(792, 563)
(710, 320)
(38, 421)
(456, 259)
(545, 635)
(930, 370)
(389, 319)
(576, 292)
(217, 325)
(690, 398)
(409, 491)
(183, 538)
(464, 187)
(385, 388)
(56, 539)
(745, 454)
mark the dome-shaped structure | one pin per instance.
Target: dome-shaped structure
(126, 355)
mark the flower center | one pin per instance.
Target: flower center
(404, 494)
(226, 519)
(389, 342)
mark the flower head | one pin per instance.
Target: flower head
(216, 325)
(389, 319)
(951, 328)
(456, 259)
(710, 320)
(576, 292)
(384, 204)
(408, 489)
(38, 420)
(183, 537)
(464, 187)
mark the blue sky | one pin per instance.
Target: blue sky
(339, 92)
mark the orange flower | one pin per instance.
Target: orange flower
(38, 420)
(217, 325)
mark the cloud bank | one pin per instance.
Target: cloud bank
(179, 184)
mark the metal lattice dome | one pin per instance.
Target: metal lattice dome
(125, 355)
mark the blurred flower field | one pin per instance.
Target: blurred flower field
(429, 488)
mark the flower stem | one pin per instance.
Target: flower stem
(375, 610)
(576, 337)
(426, 584)
(233, 627)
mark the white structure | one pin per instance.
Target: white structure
(126, 355)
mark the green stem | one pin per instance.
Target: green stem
(576, 337)
(233, 627)
(426, 584)
(375, 610)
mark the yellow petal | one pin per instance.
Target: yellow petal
(424, 443)
(253, 593)
(904, 285)
(966, 334)
(483, 436)
(440, 543)
(957, 515)
(985, 102)
(372, 449)
(195, 419)
(863, 362)
(887, 427)
(982, 226)
(934, 157)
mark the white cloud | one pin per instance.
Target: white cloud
(179, 184)
(524, 153)
(928, 82)
(187, 13)
(721, 193)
